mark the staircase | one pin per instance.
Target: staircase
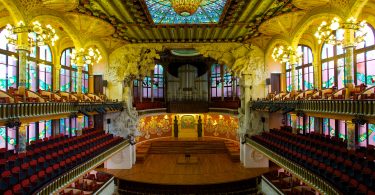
(187, 147)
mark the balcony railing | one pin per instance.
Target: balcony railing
(313, 180)
(26, 110)
(80, 170)
(344, 107)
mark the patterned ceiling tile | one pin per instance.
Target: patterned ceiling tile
(209, 12)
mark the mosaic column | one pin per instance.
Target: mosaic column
(91, 79)
(294, 123)
(56, 77)
(245, 103)
(351, 134)
(79, 78)
(293, 62)
(349, 46)
(23, 49)
(22, 138)
(80, 123)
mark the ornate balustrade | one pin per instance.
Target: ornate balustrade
(308, 177)
(344, 107)
(26, 110)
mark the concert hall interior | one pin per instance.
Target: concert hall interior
(187, 97)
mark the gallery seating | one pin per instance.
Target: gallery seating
(23, 173)
(326, 156)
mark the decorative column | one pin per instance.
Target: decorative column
(316, 71)
(293, 63)
(140, 89)
(22, 138)
(349, 37)
(351, 134)
(56, 77)
(79, 78)
(80, 123)
(91, 79)
(294, 122)
(23, 49)
(246, 86)
(199, 127)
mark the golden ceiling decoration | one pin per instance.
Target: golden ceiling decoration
(185, 7)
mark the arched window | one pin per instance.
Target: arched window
(223, 83)
(8, 64)
(288, 69)
(216, 83)
(154, 83)
(333, 69)
(85, 78)
(365, 60)
(39, 68)
(68, 72)
(158, 82)
(304, 69)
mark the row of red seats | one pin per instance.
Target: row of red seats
(26, 176)
(339, 170)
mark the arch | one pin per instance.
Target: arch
(15, 13)
(68, 27)
(356, 8)
(317, 14)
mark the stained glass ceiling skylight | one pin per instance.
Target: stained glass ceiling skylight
(209, 12)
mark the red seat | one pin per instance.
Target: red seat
(8, 192)
(17, 189)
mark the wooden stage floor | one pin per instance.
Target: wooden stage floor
(203, 169)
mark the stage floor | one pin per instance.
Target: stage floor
(204, 169)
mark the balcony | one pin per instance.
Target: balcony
(338, 107)
(28, 110)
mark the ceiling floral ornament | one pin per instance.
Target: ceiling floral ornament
(239, 58)
(132, 62)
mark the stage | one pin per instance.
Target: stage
(199, 169)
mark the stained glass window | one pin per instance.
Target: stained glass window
(333, 70)
(68, 72)
(329, 126)
(366, 135)
(3, 137)
(342, 130)
(288, 69)
(8, 64)
(31, 132)
(7, 137)
(158, 86)
(64, 126)
(45, 129)
(216, 83)
(146, 87)
(209, 11)
(39, 67)
(85, 78)
(365, 60)
(310, 124)
(304, 69)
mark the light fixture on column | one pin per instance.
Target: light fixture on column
(283, 54)
(89, 57)
(326, 32)
(43, 35)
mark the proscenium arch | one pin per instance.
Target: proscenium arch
(68, 27)
(15, 13)
(309, 19)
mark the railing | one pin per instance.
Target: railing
(25, 110)
(345, 107)
(313, 180)
(70, 176)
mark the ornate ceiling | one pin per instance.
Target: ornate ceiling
(153, 21)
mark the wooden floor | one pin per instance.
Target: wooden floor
(168, 169)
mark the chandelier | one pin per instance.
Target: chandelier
(37, 34)
(326, 32)
(283, 54)
(185, 7)
(89, 57)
